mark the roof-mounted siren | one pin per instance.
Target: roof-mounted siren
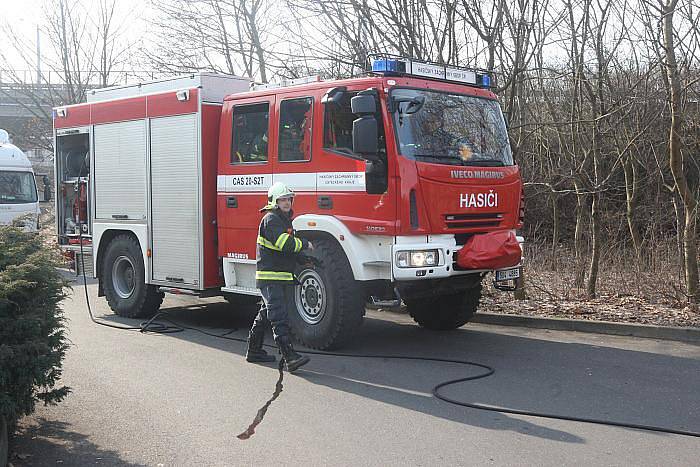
(396, 66)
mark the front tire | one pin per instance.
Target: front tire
(445, 312)
(124, 279)
(328, 304)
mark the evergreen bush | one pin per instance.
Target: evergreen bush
(32, 333)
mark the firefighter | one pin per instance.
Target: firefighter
(278, 251)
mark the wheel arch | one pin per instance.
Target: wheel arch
(103, 237)
(369, 255)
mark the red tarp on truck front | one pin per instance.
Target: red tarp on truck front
(494, 250)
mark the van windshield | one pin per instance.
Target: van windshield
(17, 187)
(446, 128)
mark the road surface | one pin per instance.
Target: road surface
(182, 399)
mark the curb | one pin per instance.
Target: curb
(683, 334)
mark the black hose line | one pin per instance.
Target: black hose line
(159, 327)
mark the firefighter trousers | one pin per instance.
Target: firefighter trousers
(276, 301)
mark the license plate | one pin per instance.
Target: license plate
(507, 274)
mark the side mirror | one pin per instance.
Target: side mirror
(334, 96)
(365, 136)
(363, 104)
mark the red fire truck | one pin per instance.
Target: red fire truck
(404, 181)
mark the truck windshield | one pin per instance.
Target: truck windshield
(17, 187)
(455, 129)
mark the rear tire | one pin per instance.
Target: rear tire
(442, 313)
(328, 303)
(124, 280)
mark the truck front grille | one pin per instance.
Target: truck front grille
(471, 221)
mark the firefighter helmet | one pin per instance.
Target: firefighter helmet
(278, 190)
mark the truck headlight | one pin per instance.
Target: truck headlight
(417, 259)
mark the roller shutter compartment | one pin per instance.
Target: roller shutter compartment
(120, 171)
(176, 200)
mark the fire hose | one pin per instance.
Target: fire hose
(162, 328)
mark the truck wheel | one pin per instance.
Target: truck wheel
(124, 279)
(445, 312)
(328, 303)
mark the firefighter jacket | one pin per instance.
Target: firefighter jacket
(277, 249)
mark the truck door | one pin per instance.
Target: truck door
(245, 174)
(341, 184)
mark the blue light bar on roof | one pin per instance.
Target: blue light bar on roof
(388, 66)
(400, 66)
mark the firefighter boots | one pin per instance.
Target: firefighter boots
(255, 352)
(292, 360)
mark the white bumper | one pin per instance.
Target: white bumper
(446, 246)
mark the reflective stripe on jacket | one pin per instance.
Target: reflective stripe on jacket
(277, 249)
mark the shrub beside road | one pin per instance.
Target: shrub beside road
(32, 333)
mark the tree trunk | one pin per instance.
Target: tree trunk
(632, 198)
(690, 254)
(676, 157)
(578, 239)
(595, 248)
(680, 229)
(4, 441)
(555, 222)
(520, 291)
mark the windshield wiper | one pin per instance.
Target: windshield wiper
(473, 163)
(441, 156)
(485, 163)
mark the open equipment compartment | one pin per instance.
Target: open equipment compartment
(73, 216)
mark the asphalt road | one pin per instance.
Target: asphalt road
(181, 399)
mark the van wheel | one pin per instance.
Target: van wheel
(445, 312)
(328, 303)
(124, 280)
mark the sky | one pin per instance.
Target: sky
(24, 15)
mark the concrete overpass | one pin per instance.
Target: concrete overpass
(23, 95)
(26, 100)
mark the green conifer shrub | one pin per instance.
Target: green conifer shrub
(32, 334)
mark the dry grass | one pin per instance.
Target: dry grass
(628, 290)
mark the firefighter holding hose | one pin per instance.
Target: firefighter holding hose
(278, 252)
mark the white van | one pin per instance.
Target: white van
(18, 194)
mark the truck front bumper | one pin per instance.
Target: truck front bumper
(445, 266)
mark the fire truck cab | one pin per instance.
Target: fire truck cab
(401, 177)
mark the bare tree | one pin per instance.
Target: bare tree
(665, 11)
(228, 36)
(86, 48)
